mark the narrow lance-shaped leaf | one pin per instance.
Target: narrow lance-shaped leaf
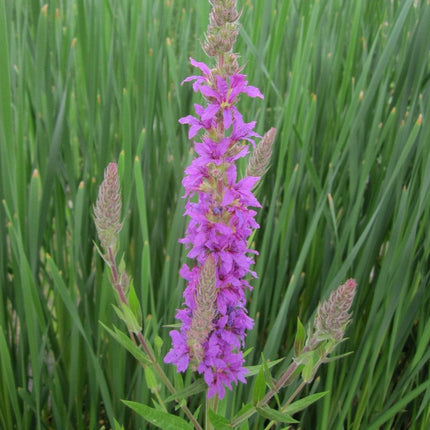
(302, 404)
(300, 338)
(259, 386)
(273, 414)
(158, 418)
(218, 421)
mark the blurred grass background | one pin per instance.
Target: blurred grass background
(86, 82)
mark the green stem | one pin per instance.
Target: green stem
(115, 276)
(286, 378)
(243, 418)
(166, 380)
(297, 391)
(144, 344)
(292, 397)
(211, 404)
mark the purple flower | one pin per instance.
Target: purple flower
(214, 318)
(195, 123)
(222, 97)
(199, 80)
(179, 354)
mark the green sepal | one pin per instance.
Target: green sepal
(259, 387)
(128, 344)
(299, 341)
(274, 415)
(159, 418)
(218, 421)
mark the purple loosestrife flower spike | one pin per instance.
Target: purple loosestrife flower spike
(260, 160)
(107, 211)
(221, 35)
(214, 318)
(204, 313)
(333, 315)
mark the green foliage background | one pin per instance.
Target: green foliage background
(86, 82)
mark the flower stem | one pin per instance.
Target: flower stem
(142, 341)
(115, 275)
(211, 404)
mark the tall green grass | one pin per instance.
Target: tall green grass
(86, 82)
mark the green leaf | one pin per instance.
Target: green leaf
(300, 338)
(308, 371)
(259, 386)
(273, 414)
(127, 315)
(74, 314)
(267, 373)
(117, 425)
(158, 418)
(248, 351)
(337, 357)
(100, 252)
(151, 380)
(244, 410)
(219, 422)
(195, 388)
(134, 304)
(7, 376)
(128, 344)
(301, 404)
(121, 265)
(253, 370)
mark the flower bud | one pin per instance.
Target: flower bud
(260, 160)
(204, 313)
(107, 211)
(333, 315)
(221, 35)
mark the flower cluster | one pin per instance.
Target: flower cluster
(333, 316)
(221, 222)
(107, 211)
(214, 320)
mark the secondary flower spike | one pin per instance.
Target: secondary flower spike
(214, 318)
(333, 315)
(107, 211)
